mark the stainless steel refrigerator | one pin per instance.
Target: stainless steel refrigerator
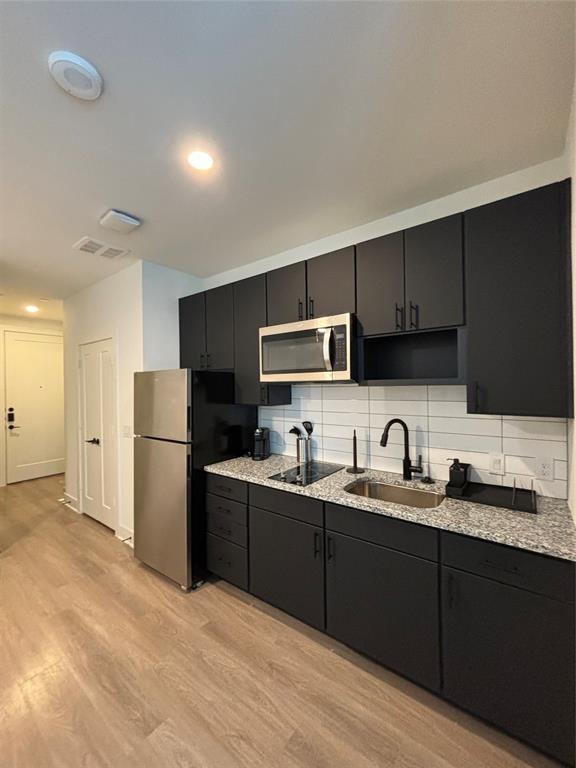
(183, 420)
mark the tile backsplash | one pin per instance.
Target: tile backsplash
(439, 429)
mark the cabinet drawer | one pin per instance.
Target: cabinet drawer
(387, 531)
(227, 560)
(232, 510)
(220, 525)
(527, 570)
(237, 490)
(287, 504)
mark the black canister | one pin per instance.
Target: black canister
(261, 446)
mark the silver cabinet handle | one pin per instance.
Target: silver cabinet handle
(326, 349)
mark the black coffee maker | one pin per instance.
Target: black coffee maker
(261, 444)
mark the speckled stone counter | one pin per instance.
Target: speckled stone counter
(550, 532)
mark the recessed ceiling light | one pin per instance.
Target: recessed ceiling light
(202, 161)
(75, 75)
(32, 308)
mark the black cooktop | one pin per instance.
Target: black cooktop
(304, 474)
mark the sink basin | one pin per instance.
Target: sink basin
(397, 494)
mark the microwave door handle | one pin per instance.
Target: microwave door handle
(326, 349)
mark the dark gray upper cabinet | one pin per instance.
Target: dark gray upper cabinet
(434, 274)
(193, 331)
(517, 304)
(384, 604)
(220, 327)
(286, 560)
(331, 284)
(287, 294)
(380, 285)
(509, 658)
(249, 316)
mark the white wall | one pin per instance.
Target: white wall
(9, 323)
(112, 309)
(497, 189)
(161, 289)
(439, 429)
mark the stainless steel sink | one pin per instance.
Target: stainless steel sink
(397, 494)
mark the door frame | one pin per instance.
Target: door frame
(79, 444)
(4, 329)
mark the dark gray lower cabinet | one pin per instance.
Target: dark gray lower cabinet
(384, 604)
(509, 657)
(287, 565)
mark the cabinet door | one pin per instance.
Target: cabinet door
(508, 656)
(287, 294)
(220, 327)
(193, 332)
(384, 604)
(287, 565)
(434, 273)
(380, 285)
(517, 305)
(331, 283)
(249, 316)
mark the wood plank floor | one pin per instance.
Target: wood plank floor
(104, 663)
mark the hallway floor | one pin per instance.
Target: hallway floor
(104, 663)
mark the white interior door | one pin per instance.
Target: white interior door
(34, 405)
(98, 431)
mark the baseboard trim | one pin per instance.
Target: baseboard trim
(71, 502)
(124, 534)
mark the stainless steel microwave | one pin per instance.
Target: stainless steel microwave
(310, 350)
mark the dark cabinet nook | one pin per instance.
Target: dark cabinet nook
(517, 298)
(249, 316)
(207, 329)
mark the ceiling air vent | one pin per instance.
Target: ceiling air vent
(98, 248)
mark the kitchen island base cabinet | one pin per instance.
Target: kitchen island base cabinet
(385, 604)
(509, 658)
(287, 565)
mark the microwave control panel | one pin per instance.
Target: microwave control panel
(340, 361)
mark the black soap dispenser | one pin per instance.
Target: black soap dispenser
(458, 475)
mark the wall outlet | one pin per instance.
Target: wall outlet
(544, 468)
(496, 463)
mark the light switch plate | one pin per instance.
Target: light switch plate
(544, 468)
(496, 463)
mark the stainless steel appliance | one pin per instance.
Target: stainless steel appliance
(183, 420)
(310, 350)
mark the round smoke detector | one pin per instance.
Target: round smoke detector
(75, 75)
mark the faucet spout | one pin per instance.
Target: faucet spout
(407, 467)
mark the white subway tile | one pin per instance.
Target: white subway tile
(398, 393)
(416, 435)
(445, 457)
(351, 419)
(561, 470)
(535, 430)
(399, 407)
(556, 488)
(345, 445)
(519, 465)
(338, 457)
(344, 392)
(386, 464)
(346, 430)
(475, 443)
(465, 426)
(451, 392)
(537, 448)
(379, 421)
(352, 405)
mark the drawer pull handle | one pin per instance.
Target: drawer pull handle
(226, 562)
(224, 530)
(330, 548)
(224, 488)
(497, 567)
(317, 549)
(226, 510)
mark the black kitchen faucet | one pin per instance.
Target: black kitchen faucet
(408, 469)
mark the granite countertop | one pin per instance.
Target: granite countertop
(550, 532)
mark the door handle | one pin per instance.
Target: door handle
(399, 317)
(13, 426)
(93, 441)
(414, 315)
(317, 549)
(326, 349)
(300, 310)
(310, 307)
(330, 548)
